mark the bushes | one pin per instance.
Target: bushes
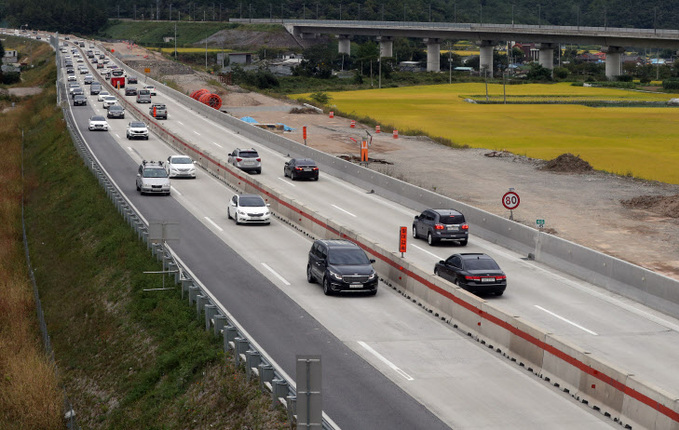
(671, 84)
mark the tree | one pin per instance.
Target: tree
(536, 72)
(317, 62)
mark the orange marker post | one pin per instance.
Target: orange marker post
(403, 240)
(353, 123)
(395, 134)
(304, 134)
(377, 129)
(332, 114)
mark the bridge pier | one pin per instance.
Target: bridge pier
(613, 60)
(344, 44)
(546, 57)
(433, 55)
(486, 57)
(386, 46)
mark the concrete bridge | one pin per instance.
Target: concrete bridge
(612, 40)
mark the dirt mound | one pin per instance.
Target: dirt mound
(296, 110)
(567, 163)
(662, 205)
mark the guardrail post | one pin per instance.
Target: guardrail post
(279, 388)
(172, 267)
(186, 284)
(242, 346)
(219, 323)
(230, 333)
(193, 293)
(201, 301)
(210, 311)
(252, 360)
(266, 375)
(292, 410)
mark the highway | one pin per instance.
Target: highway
(387, 363)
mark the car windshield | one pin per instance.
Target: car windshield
(138, 125)
(348, 256)
(181, 160)
(252, 201)
(155, 173)
(481, 264)
(97, 118)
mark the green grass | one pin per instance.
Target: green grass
(127, 358)
(188, 33)
(644, 141)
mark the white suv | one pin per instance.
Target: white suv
(137, 129)
(152, 178)
(246, 159)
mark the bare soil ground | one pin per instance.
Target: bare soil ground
(630, 219)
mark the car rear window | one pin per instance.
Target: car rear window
(155, 173)
(248, 154)
(348, 256)
(452, 219)
(481, 264)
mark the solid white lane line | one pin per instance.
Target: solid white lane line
(214, 224)
(430, 253)
(287, 182)
(215, 143)
(117, 135)
(196, 132)
(276, 274)
(567, 321)
(347, 212)
(385, 361)
(175, 190)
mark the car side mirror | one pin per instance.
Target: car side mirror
(372, 260)
(268, 204)
(442, 262)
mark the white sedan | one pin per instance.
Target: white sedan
(103, 94)
(109, 101)
(180, 166)
(98, 122)
(151, 88)
(248, 208)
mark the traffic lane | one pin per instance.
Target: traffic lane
(356, 394)
(359, 321)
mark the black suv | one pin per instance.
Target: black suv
(341, 265)
(441, 224)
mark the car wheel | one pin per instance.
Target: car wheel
(430, 239)
(285, 174)
(237, 219)
(309, 277)
(293, 177)
(316, 178)
(414, 232)
(138, 189)
(499, 293)
(258, 171)
(372, 292)
(128, 137)
(228, 213)
(326, 287)
(436, 271)
(463, 242)
(147, 138)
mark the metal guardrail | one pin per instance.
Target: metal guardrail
(244, 351)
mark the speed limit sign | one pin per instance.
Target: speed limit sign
(511, 200)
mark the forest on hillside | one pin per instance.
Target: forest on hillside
(87, 17)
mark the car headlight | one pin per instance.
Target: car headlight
(372, 276)
(335, 275)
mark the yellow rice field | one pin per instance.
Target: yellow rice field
(192, 50)
(643, 142)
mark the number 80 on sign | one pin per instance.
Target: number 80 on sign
(511, 200)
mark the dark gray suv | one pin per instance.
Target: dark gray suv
(441, 224)
(341, 266)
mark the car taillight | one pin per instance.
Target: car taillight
(259, 159)
(439, 226)
(238, 159)
(500, 278)
(299, 169)
(472, 278)
(315, 168)
(464, 226)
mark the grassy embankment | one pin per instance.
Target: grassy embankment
(127, 358)
(641, 141)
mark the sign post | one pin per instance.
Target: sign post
(511, 200)
(403, 240)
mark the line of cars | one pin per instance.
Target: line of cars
(338, 265)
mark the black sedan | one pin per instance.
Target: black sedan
(475, 272)
(130, 91)
(301, 168)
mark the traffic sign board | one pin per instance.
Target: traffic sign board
(403, 239)
(540, 222)
(511, 200)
